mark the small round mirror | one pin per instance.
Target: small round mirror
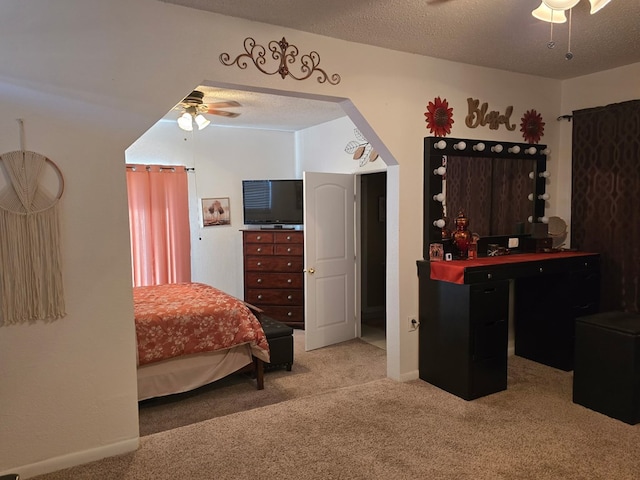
(557, 231)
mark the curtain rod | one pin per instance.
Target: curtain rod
(160, 167)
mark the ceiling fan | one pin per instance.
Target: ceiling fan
(193, 108)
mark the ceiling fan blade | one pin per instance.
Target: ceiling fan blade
(227, 104)
(222, 113)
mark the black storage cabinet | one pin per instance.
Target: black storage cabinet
(606, 375)
(463, 335)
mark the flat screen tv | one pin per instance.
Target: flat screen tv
(272, 202)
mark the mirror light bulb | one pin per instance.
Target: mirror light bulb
(497, 148)
(515, 149)
(439, 197)
(441, 145)
(440, 223)
(479, 147)
(440, 171)
(460, 145)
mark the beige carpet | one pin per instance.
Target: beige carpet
(348, 363)
(384, 429)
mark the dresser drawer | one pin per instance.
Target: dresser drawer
(489, 302)
(258, 249)
(288, 237)
(273, 264)
(275, 297)
(292, 249)
(285, 314)
(273, 280)
(258, 237)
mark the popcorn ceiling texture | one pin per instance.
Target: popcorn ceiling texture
(498, 34)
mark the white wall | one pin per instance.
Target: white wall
(89, 78)
(322, 149)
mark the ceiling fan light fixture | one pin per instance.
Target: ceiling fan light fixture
(201, 121)
(560, 4)
(546, 14)
(185, 122)
(597, 5)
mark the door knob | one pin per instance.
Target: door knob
(310, 270)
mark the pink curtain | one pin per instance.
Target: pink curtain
(159, 223)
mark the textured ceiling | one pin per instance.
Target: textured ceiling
(499, 34)
(492, 33)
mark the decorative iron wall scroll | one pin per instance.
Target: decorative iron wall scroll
(284, 55)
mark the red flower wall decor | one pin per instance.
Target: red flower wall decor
(532, 126)
(439, 117)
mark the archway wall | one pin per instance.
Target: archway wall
(89, 78)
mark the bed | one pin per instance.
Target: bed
(192, 334)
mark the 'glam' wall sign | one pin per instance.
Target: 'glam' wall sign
(478, 116)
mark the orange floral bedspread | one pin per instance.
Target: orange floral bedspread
(185, 318)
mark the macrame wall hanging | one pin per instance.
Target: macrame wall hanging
(31, 273)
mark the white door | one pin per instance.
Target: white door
(329, 204)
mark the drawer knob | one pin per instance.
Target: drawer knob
(541, 269)
(289, 297)
(259, 249)
(289, 314)
(259, 280)
(259, 237)
(288, 250)
(289, 280)
(259, 264)
(288, 237)
(288, 264)
(259, 297)
(489, 276)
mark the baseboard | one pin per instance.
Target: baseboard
(408, 376)
(75, 458)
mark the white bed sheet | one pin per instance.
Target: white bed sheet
(181, 374)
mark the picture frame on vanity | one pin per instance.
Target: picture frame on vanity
(216, 211)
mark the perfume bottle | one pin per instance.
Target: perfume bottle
(461, 236)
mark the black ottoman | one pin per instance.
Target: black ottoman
(606, 375)
(280, 338)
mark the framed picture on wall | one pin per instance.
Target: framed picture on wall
(216, 211)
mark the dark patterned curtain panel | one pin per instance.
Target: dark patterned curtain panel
(605, 202)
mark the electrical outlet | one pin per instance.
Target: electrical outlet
(413, 324)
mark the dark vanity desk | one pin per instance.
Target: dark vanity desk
(464, 315)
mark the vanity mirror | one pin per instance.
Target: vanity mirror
(500, 186)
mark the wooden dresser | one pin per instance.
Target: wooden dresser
(273, 273)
